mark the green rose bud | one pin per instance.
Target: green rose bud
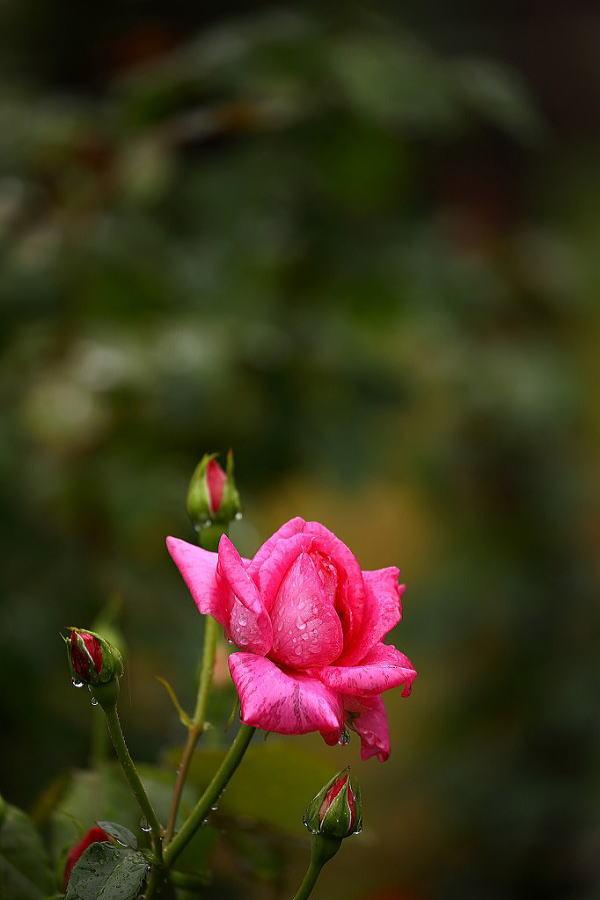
(92, 659)
(212, 498)
(336, 811)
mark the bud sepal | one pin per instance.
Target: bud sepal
(336, 811)
(92, 659)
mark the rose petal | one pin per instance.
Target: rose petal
(294, 526)
(283, 702)
(383, 668)
(249, 625)
(382, 611)
(316, 539)
(215, 483)
(249, 631)
(198, 568)
(371, 723)
(307, 631)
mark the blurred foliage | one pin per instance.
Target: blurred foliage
(370, 269)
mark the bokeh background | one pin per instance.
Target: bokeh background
(359, 245)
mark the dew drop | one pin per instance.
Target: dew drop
(214, 808)
(230, 641)
(144, 825)
(344, 737)
(94, 701)
(301, 625)
(77, 684)
(298, 650)
(238, 516)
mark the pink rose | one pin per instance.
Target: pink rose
(309, 624)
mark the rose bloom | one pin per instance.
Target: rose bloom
(309, 624)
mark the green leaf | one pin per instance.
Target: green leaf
(103, 794)
(24, 870)
(273, 785)
(184, 718)
(105, 872)
(122, 835)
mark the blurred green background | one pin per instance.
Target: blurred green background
(361, 248)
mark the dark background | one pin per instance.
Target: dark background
(360, 246)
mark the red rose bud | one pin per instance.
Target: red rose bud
(336, 810)
(92, 659)
(212, 496)
(95, 835)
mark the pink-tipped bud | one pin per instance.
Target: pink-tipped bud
(92, 659)
(212, 496)
(336, 810)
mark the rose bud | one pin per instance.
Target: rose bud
(92, 659)
(212, 496)
(95, 835)
(336, 810)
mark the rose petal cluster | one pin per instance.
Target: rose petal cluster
(309, 625)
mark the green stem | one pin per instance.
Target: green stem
(128, 766)
(209, 652)
(309, 881)
(212, 793)
(322, 850)
(152, 883)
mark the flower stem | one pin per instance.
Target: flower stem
(309, 881)
(128, 766)
(323, 849)
(209, 652)
(199, 720)
(152, 883)
(212, 793)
